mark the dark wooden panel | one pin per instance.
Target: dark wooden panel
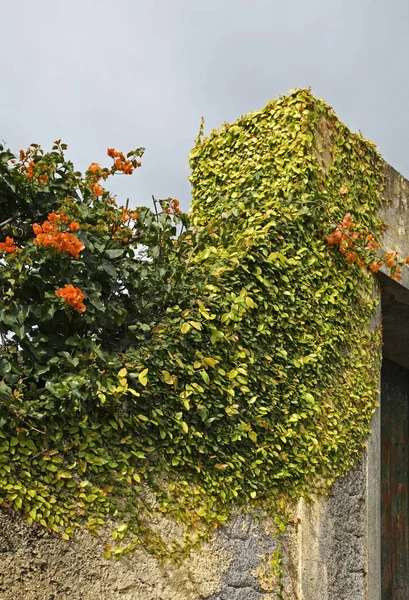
(395, 481)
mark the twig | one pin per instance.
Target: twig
(3, 337)
(157, 220)
(17, 415)
(6, 222)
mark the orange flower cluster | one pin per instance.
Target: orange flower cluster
(128, 214)
(94, 173)
(172, 207)
(97, 189)
(31, 166)
(347, 240)
(94, 168)
(392, 262)
(122, 164)
(50, 235)
(42, 179)
(30, 169)
(72, 296)
(8, 245)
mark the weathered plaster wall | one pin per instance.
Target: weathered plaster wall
(35, 565)
(236, 565)
(325, 558)
(395, 213)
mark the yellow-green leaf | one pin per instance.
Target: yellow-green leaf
(185, 327)
(143, 380)
(250, 302)
(210, 362)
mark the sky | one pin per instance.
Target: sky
(127, 73)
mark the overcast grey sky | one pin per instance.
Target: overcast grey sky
(129, 73)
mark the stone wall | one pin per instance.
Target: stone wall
(324, 558)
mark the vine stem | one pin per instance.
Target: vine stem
(18, 416)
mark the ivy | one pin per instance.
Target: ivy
(230, 366)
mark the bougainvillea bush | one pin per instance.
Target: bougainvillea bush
(158, 364)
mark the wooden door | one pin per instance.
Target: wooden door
(395, 481)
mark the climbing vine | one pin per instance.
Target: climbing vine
(146, 375)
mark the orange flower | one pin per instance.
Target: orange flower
(42, 179)
(127, 168)
(72, 296)
(347, 221)
(62, 242)
(48, 235)
(8, 246)
(374, 266)
(120, 163)
(97, 189)
(30, 170)
(94, 167)
(48, 227)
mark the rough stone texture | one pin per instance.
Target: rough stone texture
(251, 544)
(333, 544)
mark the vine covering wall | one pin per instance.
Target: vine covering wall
(147, 376)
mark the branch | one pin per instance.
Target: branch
(159, 231)
(6, 222)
